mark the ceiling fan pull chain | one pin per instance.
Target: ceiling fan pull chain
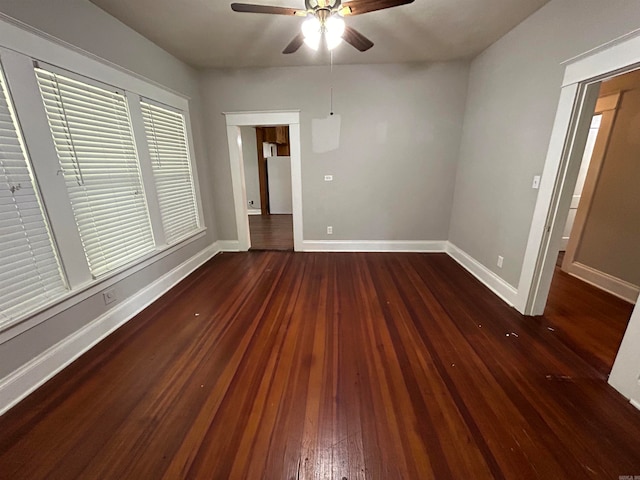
(331, 80)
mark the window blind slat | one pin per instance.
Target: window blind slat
(93, 137)
(167, 141)
(30, 273)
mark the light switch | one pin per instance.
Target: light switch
(536, 182)
(328, 178)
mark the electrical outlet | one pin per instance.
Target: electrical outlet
(109, 296)
(328, 178)
(329, 230)
(500, 261)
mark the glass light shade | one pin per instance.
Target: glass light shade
(312, 31)
(334, 29)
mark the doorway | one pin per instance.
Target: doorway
(235, 121)
(597, 275)
(266, 155)
(583, 77)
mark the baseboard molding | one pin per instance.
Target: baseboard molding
(40, 369)
(228, 245)
(497, 285)
(254, 211)
(635, 404)
(373, 246)
(613, 285)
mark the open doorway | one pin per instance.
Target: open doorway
(266, 153)
(597, 275)
(579, 94)
(235, 121)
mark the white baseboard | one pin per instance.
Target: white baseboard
(497, 285)
(228, 245)
(615, 286)
(254, 211)
(37, 371)
(373, 246)
(635, 404)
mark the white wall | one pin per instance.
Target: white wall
(513, 93)
(84, 25)
(394, 170)
(250, 157)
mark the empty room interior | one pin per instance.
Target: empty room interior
(314, 239)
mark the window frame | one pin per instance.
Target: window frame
(19, 49)
(142, 209)
(198, 213)
(62, 276)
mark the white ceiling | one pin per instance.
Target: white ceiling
(207, 33)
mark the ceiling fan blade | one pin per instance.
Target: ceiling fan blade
(355, 38)
(250, 8)
(358, 7)
(295, 44)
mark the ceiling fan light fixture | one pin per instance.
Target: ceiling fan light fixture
(334, 29)
(312, 31)
(344, 10)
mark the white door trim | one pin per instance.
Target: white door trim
(573, 116)
(235, 120)
(572, 120)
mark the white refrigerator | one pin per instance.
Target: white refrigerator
(279, 174)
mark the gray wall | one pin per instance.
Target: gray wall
(514, 87)
(86, 26)
(250, 157)
(394, 170)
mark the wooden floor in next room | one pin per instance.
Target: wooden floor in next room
(271, 232)
(282, 366)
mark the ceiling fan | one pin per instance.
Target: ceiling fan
(325, 20)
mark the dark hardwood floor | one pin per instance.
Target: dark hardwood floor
(590, 321)
(271, 232)
(281, 366)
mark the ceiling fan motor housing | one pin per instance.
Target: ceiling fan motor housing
(322, 8)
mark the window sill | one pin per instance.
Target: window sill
(12, 328)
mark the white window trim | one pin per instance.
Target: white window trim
(39, 143)
(38, 45)
(20, 46)
(14, 328)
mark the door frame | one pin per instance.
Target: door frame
(576, 105)
(234, 121)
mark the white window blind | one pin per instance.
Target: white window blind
(167, 139)
(93, 137)
(30, 274)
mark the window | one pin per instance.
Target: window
(93, 137)
(30, 274)
(167, 139)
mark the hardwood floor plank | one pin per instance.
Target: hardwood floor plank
(590, 321)
(282, 365)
